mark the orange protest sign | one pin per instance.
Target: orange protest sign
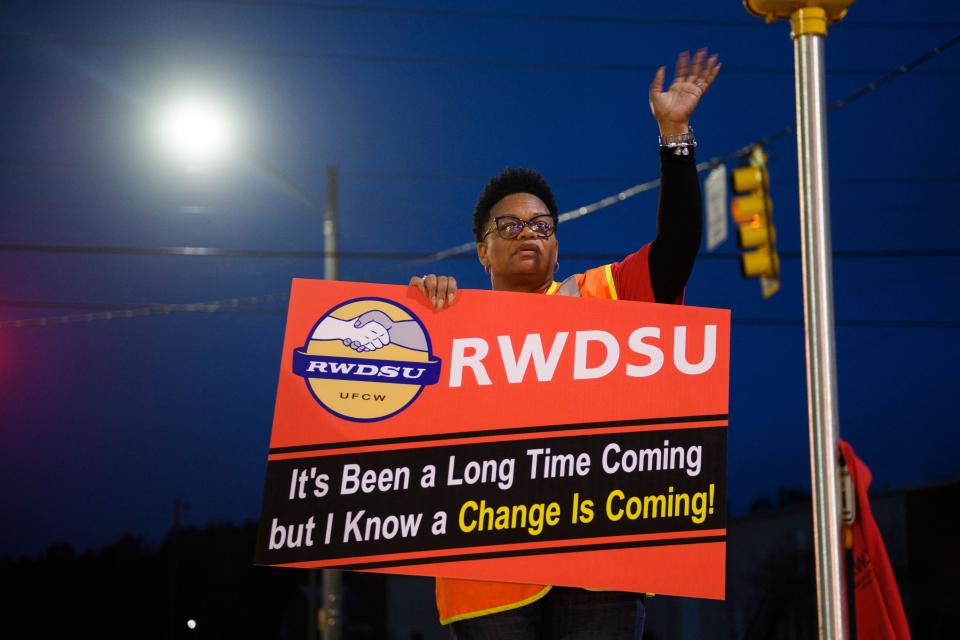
(511, 437)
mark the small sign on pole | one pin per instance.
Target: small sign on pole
(715, 187)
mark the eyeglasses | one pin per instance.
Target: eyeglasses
(509, 227)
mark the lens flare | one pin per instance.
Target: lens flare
(196, 132)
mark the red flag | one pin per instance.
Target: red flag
(879, 609)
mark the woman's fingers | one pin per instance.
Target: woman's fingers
(683, 66)
(712, 71)
(440, 291)
(708, 73)
(697, 65)
(430, 283)
(445, 292)
(451, 290)
(657, 85)
(418, 283)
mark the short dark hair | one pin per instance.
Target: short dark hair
(509, 181)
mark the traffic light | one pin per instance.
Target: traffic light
(752, 210)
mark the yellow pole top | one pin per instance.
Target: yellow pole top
(770, 10)
(808, 21)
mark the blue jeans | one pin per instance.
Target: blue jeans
(562, 614)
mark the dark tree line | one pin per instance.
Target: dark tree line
(129, 589)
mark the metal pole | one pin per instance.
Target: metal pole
(290, 188)
(327, 615)
(179, 506)
(313, 618)
(331, 604)
(331, 578)
(330, 266)
(809, 31)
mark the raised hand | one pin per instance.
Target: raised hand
(672, 108)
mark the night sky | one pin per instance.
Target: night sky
(106, 423)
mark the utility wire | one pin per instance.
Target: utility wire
(118, 311)
(566, 216)
(855, 254)
(219, 252)
(243, 305)
(872, 324)
(328, 7)
(209, 252)
(440, 176)
(867, 89)
(140, 43)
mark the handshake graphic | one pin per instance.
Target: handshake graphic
(372, 330)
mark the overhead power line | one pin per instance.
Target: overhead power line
(219, 252)
(566, 216)
(328, 7)
(116, 311)
(209, 252)
(378, 175)
(100, 311)
(870, 323)
(855, 254)
(144, 44)
(242, 305)
(865, 90)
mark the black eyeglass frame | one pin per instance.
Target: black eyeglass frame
(523, 224)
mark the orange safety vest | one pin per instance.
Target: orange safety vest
(459, 599)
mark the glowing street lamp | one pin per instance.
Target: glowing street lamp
(196, 132)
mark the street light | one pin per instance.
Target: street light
(196, 131)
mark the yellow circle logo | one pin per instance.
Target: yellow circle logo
(367, 359)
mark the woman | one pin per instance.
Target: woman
(514, 223)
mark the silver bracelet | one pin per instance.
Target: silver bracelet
(681, 143)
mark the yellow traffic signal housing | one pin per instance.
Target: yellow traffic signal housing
(752, 210)
(749, 178)
(770, 10)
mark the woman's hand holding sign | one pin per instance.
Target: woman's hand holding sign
(440, 291)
